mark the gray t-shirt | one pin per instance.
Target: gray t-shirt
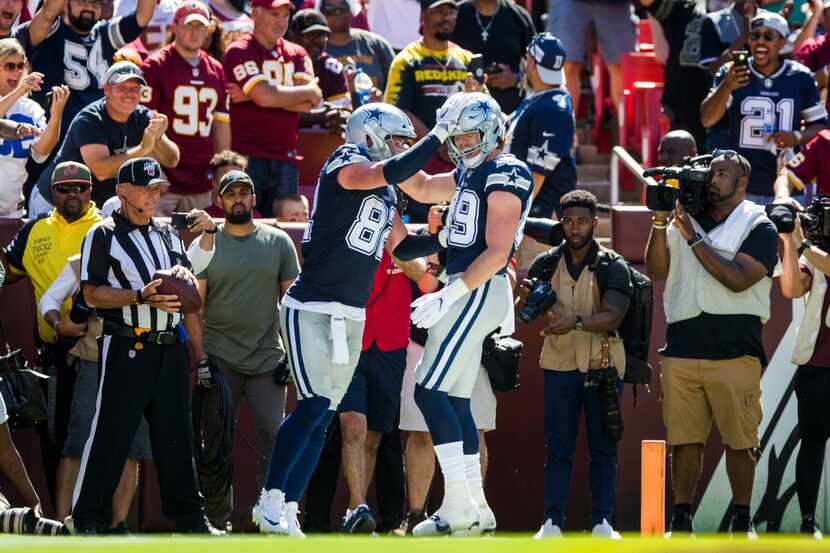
(242, 304)
(371, 52)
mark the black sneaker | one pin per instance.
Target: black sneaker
(120, 529)
(200, 527)
(741, 525)
(413, 518)
(810, 527)
(681, 523)
(358, 521)
(77, 528)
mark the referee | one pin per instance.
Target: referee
(144, 360)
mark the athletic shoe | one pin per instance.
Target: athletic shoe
(358, 521)
(267, 513)
(460, 519)
(548, 530)
(486, 519)
(200, 527)
(289, 525)
(809, 526)
(120, 529)
(742, 524)
(604, 530)
(79, 529)
(681, 523)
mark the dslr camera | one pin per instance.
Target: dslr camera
(686, 184)
(815, 220)
(539, 300)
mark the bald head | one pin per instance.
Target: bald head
(674, 146)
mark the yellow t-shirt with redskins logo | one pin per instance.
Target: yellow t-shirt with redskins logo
(40, 250)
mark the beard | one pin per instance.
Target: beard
(82, 23)
(443, 36)
(239, 218)
(582, 243)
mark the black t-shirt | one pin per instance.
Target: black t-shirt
(509, 32)
(617, 273)
(709, 336)
(93, 125)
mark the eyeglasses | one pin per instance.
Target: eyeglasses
(768, 36)
(729, 155)
(70, 188)
(339, 9)
(12, 66)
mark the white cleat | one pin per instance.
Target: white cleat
(289, 524)
(548, 530)
(604, 530)
(268, 511)
(457, 519)
(486, 519)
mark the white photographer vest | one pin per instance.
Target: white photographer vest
(807, 332)
(691, 290)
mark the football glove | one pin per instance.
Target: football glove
(429, 309)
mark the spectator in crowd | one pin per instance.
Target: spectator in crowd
(10, 11)
(234, 19)
(213, 44)
(155, 33)
(815, 51)
(292, 209)
(252, 267)
(40, 250)
(271, 83)
(686, 83)
(145, 362)
(723, 31)
(112, 130)
(711, 364)
(541, 130)
(188, 87)
(310, 30)
(221, 164)
(765, 103)
(364, 50)
(15, 85)
(78, 49)
(500, 30)
(674, 147)
(579, 342)
(83, 357)
(385, 19)
(616, 32)
(807, 166)
(357, 9)
(805, 269)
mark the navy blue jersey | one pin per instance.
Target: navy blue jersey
(779, 102)
(78, 61)
(468, 212)
(541, 133)
(344, 240)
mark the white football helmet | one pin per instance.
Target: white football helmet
(479, 113)
(378, 122)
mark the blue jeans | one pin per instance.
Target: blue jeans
(565, 396)
(273, 180)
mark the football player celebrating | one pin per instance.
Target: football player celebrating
(492, 196)
(188, 86)
(322, 314)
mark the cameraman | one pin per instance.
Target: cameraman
(718, 272)
(804, 272)
(578, 340)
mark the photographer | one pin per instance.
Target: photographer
(580, 353)
(718, 271)
(805, 267)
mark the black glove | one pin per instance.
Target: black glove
(282, 372)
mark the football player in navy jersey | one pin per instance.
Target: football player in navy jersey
(541, 130)
(765, 103)
(491, 197)
(321, 317)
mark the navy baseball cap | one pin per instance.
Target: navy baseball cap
(549, 54)
(141, 171)
(234, 177)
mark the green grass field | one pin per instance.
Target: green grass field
(520, 543)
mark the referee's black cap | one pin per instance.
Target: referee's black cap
(141, 171)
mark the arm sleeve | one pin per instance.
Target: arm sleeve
(814, 111)
(242, 70)
(95, 264)
(64, 286)
(803, 167)
(17, 249)
(289, 264)
(710, 44)
(414, 246)
(807, 55)
(762, 245)
(123, 30)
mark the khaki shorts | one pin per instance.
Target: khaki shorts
(698, 391)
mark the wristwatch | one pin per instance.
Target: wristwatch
(694, 239)
(804, 246)
(139, 299)
(579, 323)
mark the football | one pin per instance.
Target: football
(188, 293)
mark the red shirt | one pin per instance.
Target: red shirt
(387, 311)
(815, 54)
(264, 133)
(192, 98)
(812, 162)
(333, 81)
(821, 353)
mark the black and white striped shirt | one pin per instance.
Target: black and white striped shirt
(119, 254)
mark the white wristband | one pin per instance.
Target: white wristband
(456, 289)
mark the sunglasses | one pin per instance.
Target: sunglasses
(768, 36)
(336, 10)
(729, 155)
(12, 66)
(70, 188)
